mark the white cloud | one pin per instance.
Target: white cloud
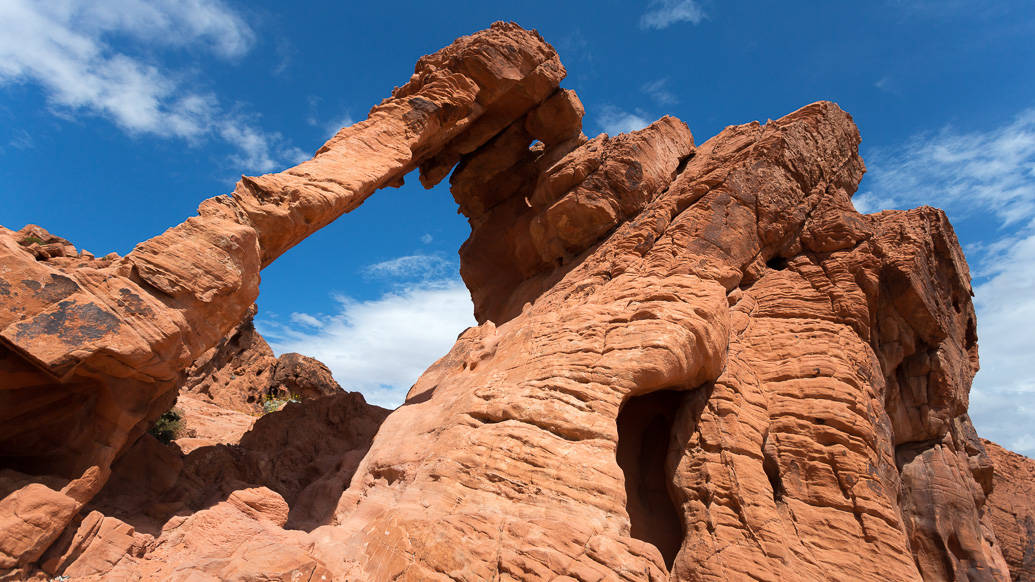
(412, 267)
(614, 121)
(1003, 398)
(380, 347)
(306, 320)
(426, 238)
(658, 91)
(869, 202)
(664, 13)
(977, 177)
(961, 172)
(336, 125)
(67, 48)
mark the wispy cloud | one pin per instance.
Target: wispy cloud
(329, 127)
(338, 123)
(614, 121)
(380, 347)
(869, 202)
(412, 267)
(659, 92)
(21, 140)
(285, 55)
(980, 177)
(306, 320)
(574, 45)
(962, 172)
(1003, 399)
(664, 13)
(68, 49)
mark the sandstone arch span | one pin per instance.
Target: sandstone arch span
(825, 356)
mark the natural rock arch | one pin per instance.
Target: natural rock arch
(820, 342)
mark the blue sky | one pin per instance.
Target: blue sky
(118, 117)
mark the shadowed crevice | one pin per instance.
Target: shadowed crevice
(644, 436)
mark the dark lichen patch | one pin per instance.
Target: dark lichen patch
(71, 322)
(58, 288)
(54, 290)
(5, 288)
(423, 105)
(133, 304)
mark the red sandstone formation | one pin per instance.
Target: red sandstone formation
(241, 371)
(1012, 508)
(692, 363)
(235, 373)
(228, 512)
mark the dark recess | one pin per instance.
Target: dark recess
(776, 263)
(772, 472)
(644, 435)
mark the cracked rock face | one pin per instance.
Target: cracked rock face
(1011, 506)
(693, 362)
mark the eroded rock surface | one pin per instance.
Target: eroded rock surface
(234, 374)
(92, 353)
(692, 363)
(241, 372)
(789, 327)
(1011, 506)
(238, 510)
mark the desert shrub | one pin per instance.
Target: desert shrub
(168, 427)
(31, 240)
(274, 402)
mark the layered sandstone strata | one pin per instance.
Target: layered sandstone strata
(692, 363)
(1011, 506)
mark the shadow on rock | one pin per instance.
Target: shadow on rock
(307, 453)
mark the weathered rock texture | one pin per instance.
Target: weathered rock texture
(241, 371)
(1011, 506)
(692, 363)
(91, 353)
(229, 511)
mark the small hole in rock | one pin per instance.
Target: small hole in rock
(644, 434)
(776, 263)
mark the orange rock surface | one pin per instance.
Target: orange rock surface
(693, 362)
(240, 372)
(1011, 506)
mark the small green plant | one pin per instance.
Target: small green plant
(168, 427)
(274, 402)
(30, 240)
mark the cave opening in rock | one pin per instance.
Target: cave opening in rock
(644, 436)
(776, 263)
